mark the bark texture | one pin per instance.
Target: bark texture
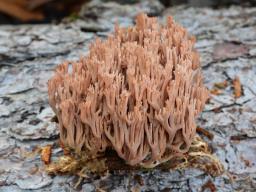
(226, 41)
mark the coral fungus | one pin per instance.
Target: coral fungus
(138, 93)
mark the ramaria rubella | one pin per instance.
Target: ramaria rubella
(138, 93)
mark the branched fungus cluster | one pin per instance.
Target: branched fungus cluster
(138, 93)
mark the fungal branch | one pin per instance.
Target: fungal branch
(138, 93)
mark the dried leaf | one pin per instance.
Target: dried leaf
(237, 87)
(46, 154)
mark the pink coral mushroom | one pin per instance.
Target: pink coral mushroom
(138, 93)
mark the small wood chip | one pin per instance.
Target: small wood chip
(237, 87)
(217, 88)
(215, 91)
(221, 85)
(46, 154)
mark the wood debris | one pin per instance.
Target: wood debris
(218, 87)
(215, 91)
(237, 87)
(46, 153)
(221, 85)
